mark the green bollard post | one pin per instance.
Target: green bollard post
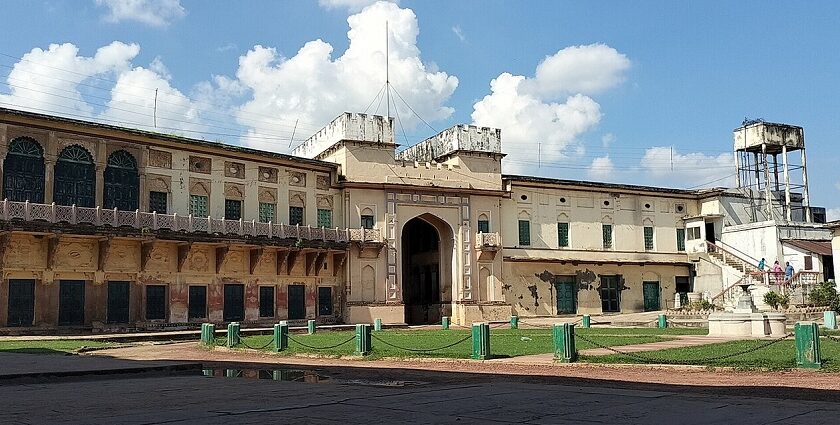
(662, 323)
(830, 319)
(310, 327)
(444, 323)
(233, 334)
(808, 354)
(514, 322)
(586, 321)
(281, 336)
(563, 335)
(204, 334)
(363, 343)
(377, 325)
(211, 334)
(481, 341)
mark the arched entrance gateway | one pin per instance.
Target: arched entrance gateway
(426, 269)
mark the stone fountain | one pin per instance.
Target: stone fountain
(745, 320)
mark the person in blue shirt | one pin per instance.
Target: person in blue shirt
(761, 264)
(788, 271)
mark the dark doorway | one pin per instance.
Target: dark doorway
(566, 288)
(118, 300)
(75, 178)
(297, 302)
(683, 287)
(122, 182)
(710, 232)
(155, 302)
(421, 272)
(828, 267)
(650, 293)
(610, 294)
(21, 302)
(23, 171)
(71, 303)
(325, 304)
(197, 302)
(266, 301)
(234, 309)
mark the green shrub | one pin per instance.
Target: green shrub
(825, 294)
(706, 305)
(772, 299)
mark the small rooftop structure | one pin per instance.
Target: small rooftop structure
(457, 138)
(348, 126)
(753, 135)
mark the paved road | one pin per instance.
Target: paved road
(487, 400)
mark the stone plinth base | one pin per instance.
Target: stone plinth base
(754, 325)
(368, 313)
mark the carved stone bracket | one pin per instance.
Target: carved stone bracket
(315, 262)
(370, 249)
(52, 248)
(146, 249)
(257, 255)
(339, 258)
(282, 257)
(5, 238)
(221, 256)
(104, 252)
(183, 254)
(290, 261)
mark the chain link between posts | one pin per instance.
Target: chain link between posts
(648, 359)
(242, 342)
(292, 339)
(420, 350)
(832, 338)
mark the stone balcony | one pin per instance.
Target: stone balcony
(487, 244)
(26, 212)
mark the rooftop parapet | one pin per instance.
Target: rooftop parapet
(348, 126)
(752, 135)
(457, 138)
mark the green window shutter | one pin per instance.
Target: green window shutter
(198, 206)
(648, 238)
(563, 234)
(524, 233)
(267, 212)
(157, 202)
(296, 215)
(608, 239)
(324, 218)
(367, 222)
(233, 209)
(483, 226)
(680, 239)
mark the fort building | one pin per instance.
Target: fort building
(110, 228)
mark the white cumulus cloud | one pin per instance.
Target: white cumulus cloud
(601, 169)
(351, 5)
(156, 13)
(313, 87)
(662, 164)
(553, 108)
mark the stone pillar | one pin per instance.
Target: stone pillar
(100, 183)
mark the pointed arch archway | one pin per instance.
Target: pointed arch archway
(23, 171)
(75, 177)
(427, 245)
(122, 182)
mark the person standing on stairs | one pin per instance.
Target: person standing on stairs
(762, 264)
(777, 272)
(788, 272)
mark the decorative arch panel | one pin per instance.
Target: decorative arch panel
(122, 182)
(23, 171)
(75, 178)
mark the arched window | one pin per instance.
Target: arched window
(23, 171)
(75, 178)
(122, 183)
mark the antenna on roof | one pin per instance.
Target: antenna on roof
(387, 74)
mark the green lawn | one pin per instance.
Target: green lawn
(503, 342)
(779, 356)
(49, 347)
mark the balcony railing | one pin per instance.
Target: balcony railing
(52, 213)
(487, 240)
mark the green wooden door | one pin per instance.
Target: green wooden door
(566, 296)
(650, 291)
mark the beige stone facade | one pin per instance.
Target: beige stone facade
(343, 230)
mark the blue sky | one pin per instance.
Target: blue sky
(625, 77)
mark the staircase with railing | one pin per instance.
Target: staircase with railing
(740, 265)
